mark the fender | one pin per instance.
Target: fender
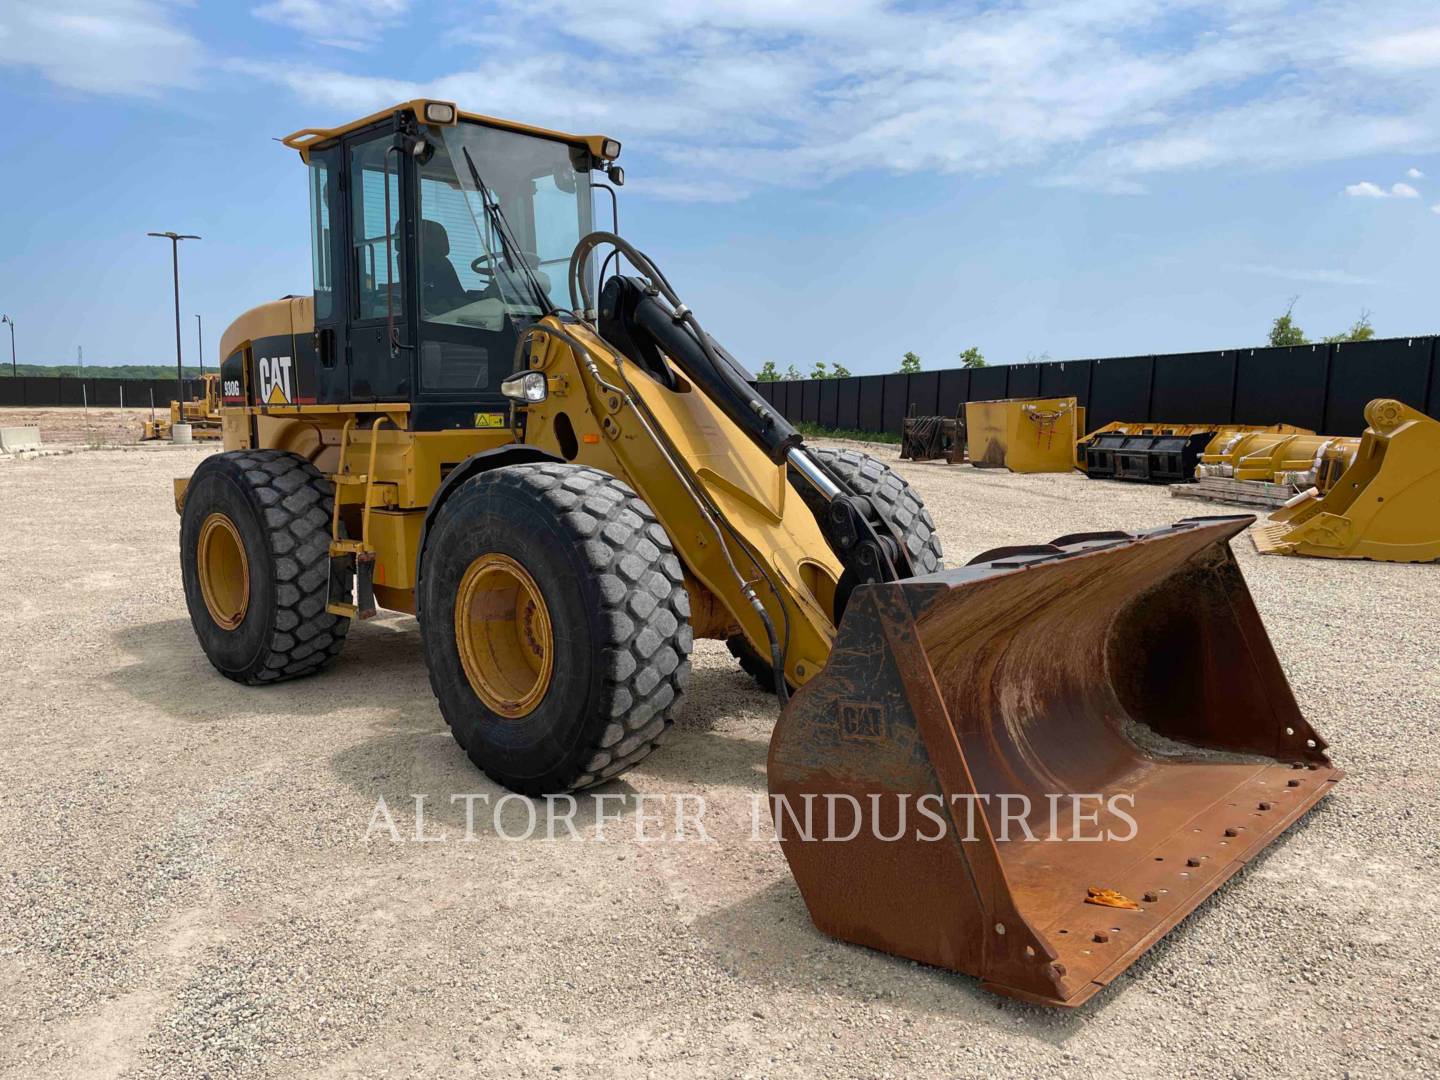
(474, 465)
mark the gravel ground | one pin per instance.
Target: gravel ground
(186, 887)
(84, 427)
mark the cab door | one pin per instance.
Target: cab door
(378, 369)
(328, 253)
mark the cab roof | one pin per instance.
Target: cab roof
(306, 139)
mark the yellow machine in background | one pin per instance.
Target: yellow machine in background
(1385, 506)
(1024, 435)
(202, 413)
(1277, 455)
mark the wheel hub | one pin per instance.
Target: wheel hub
(224, 571)
(504, 636)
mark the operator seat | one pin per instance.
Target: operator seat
(440, 288)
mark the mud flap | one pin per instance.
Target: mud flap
(1030, 768)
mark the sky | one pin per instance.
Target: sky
(841, 181)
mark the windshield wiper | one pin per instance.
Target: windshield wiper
(507, 240)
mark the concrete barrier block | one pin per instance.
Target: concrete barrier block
(19, 438)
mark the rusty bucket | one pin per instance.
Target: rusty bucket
(1030, 768)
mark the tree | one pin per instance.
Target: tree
(768, 372)
(820, 372)
(1283, 330)
(791, 374)
(973, 358)
(840, 371)
(909, 364)
(1360, 330)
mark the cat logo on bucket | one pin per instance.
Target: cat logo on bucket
(275, 386)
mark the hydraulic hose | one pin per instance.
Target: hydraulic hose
(673, 326)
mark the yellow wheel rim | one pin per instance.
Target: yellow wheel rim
(502, 629)
(224, 571)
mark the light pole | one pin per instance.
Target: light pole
(175, 239)
(200, 343)
(7, 319)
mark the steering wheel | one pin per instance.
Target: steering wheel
(486, 263)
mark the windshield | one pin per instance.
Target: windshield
(467, 276)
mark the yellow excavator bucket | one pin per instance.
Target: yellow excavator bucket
(1385, 506)
(1029, 769)
(1024, 434)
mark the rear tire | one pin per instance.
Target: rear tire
(896, 501)
(567, 570)
(255, 559)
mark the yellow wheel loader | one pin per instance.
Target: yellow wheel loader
(203, 413)
(538, 451)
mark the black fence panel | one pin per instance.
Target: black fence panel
(954, 391)
(810, 401)
(897, 400)
(989, 383)
(1068, 378)
(137, 394)
(1119, 390)
(1194, 388)
(872, 401)
(1024, 381)
(1434, 407)
(1283, 385)
(829, 400)
(1361, 371)
(766, 391)
(795, 402)
(12, 391)
(924, 393)
(847, 412)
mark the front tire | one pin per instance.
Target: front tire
(255, 560)
(556, 625)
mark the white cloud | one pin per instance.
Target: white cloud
(1106, 94)
(132, 47)
(1312, 277)
(345, 24)
(1436, 208)
(1414, 174)
(1417, 48)
(1366, 190)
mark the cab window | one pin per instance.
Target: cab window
(374, 242)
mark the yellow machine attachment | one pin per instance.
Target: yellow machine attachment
(1024, 435)
(202, 413)
(1385, 506)
(1262, 453)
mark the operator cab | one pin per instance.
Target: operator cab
(437, 237)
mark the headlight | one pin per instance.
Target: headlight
(610, 149)
(439, 112)
(528, 388)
